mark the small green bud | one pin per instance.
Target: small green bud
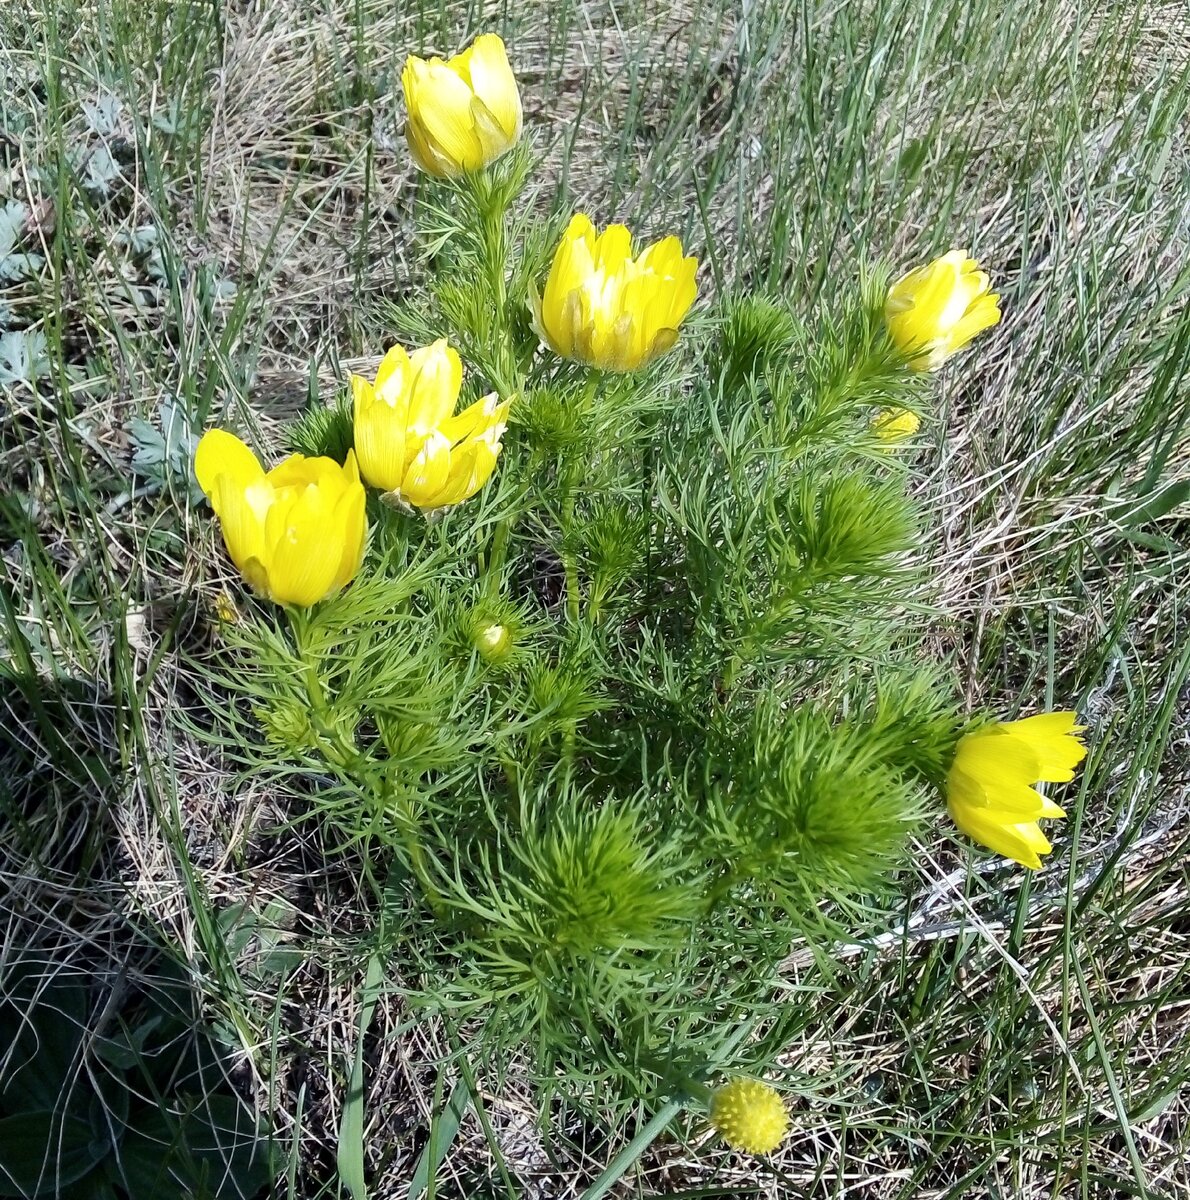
(494, 629)
(493, 642)
(286, 724)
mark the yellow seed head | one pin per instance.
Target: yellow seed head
(750, 1116)
(895, 424)
(225, 610)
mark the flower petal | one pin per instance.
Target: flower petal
(1023, 843)
(222, 453)
(306, 545)
(1053, 738)
(428, 473)
(437, 374)
(493, 82)
(997, 760)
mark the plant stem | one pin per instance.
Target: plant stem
(569, 562)
(364, 774)
(569, 476)
(645, 1137)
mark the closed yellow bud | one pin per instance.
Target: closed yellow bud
(463, 113)
(750, 1116)
(935, 310)
(296, 533)
(603, 307)
(895, 424)
(990, 792)
(410, 442)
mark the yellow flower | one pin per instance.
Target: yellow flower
(410, 442)
(296, 533)
(895, 424)
(749, 1115)
(935, 310)
(463, 113)
(605, 308)
(990, 790)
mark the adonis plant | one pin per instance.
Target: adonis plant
(592, 626)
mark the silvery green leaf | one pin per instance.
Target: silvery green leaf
(103, 114)
(139, 240)
(102, 170)
(12, 224)
(155, 265)
(149, 447)
(23, 356)
(14, 267)
(167, 121)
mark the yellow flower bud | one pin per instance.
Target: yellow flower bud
(935, 310)
(895, 424)
(410, 442)
(750, 1116)
(990, 792)
(463, 113)
(296, 533)
(603, 307)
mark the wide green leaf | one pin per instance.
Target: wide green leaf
(42, 1152)
(212, 1149)
(43, 1022)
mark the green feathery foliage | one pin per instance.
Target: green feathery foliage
(643, 714)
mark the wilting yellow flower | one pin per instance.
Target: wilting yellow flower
(296, 533)
(411, 443)
(225, 609)
(749, 1115)
(463, 113)
(605, 308)
(990, 790)
(935, 310)
(895, 424)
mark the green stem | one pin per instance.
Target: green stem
(342, 752)
(496, 238)
(569, 562)
(569, 478)
(502, 365)
(498, 550)
(411, 840)
(645, 1137)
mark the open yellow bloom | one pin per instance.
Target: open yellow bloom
(605, 308)
(935, 310)
(410, 442)
(895, 424)
(750, 1116)
(296, 533)
(990, 792)
(463, 113)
